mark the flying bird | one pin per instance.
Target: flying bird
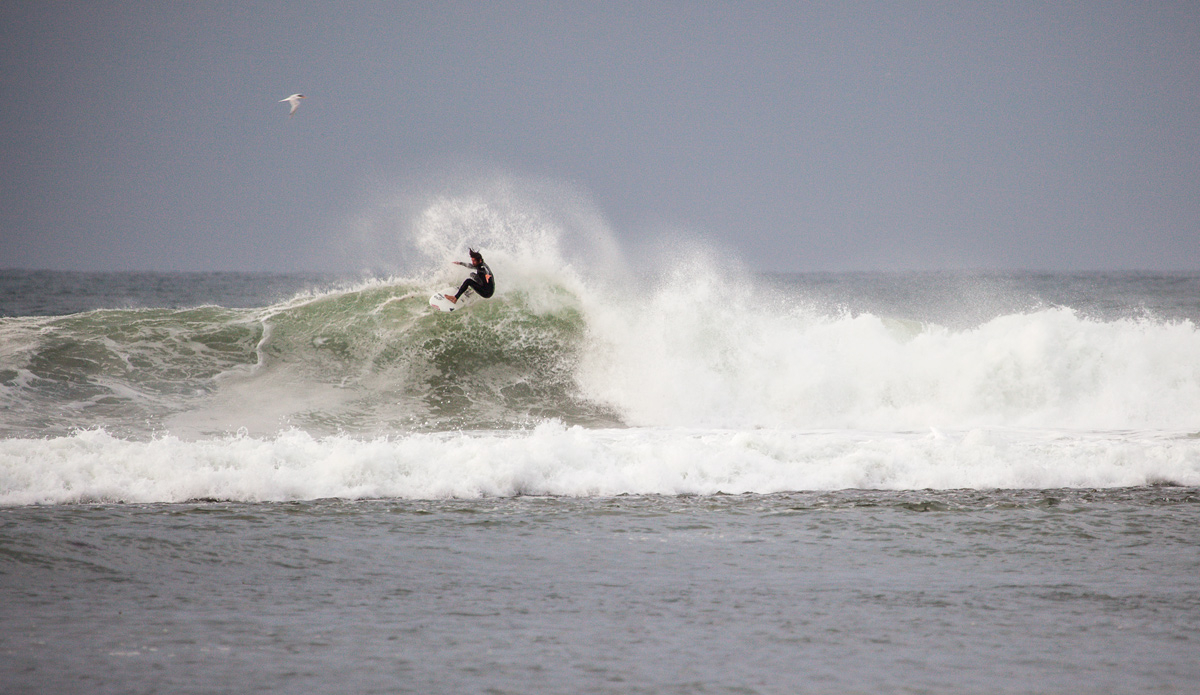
(294, 100)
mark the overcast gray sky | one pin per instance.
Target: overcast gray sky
(800, 136)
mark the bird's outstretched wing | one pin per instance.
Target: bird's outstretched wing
(294, 100)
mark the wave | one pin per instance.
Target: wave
(696, 348)
(674, 361)
(583, 376)
(371, 356)
(553, 459)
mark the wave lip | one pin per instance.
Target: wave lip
(558, 460)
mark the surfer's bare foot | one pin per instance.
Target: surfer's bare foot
(452, 298)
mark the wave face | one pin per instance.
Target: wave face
(370, 359)
(588, 375)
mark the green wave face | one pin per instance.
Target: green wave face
(371, 360)
(495, 365)
(119, 368)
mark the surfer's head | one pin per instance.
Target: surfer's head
(476, 257)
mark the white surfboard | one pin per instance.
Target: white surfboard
(439, 301)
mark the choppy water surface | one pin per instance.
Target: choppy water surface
(1051, 591)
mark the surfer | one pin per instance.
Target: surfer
(481, 280)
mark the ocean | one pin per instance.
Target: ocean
(696, 479)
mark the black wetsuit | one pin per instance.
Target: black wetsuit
(481, 281)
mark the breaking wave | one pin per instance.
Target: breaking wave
(585, 376)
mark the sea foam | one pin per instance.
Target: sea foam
(708, 349)
(553, 459)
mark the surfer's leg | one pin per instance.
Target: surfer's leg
(469, 283)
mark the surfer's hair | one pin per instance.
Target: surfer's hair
(475, 254)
